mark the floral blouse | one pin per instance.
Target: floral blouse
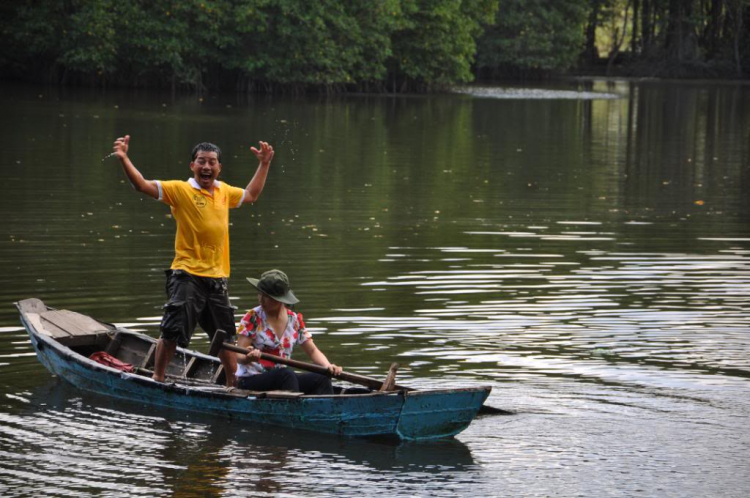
(255, 326)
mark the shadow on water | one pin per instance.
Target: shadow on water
(55, 439)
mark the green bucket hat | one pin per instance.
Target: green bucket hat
(274, 284)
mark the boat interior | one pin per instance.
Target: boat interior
(85, 335)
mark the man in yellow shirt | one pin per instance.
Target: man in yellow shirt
(197, 280)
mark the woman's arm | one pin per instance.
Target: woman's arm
(244, 341)
(317, 356)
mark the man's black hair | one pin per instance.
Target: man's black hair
(206, 147)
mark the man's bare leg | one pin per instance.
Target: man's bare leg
(164, 353)
(229, 361)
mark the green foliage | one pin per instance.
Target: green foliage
(334, 44)
(435, 45)
(324, 42)
(176, 41)
(200, 43)
(89, 42)
(535, 35)
(32, 33)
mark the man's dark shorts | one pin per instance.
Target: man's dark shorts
(194, 300)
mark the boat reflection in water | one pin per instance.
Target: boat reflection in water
(71, 441)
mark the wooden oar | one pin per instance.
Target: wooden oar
(362, 380)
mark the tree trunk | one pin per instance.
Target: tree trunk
(680, 32)
(712, 35)
(590, 53)
(617, 42)
(739, 15)
(634, 42)
(646, 28)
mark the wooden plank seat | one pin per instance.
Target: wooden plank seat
(72, 329)
(73, 323)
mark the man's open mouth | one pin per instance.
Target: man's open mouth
(206, 176)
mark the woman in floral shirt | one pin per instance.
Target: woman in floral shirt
(273, 328)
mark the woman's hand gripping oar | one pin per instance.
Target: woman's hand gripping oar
(372, 383)
(362, 380)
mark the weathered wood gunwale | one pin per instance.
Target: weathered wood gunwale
(64, 340)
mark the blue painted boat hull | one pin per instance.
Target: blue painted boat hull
(408, 415)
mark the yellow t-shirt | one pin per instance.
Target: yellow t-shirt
(201, 243)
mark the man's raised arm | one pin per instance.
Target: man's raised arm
(255, 187)
(135, 177)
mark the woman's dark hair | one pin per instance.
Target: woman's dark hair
(206, 147)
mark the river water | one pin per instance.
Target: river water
(584, 249)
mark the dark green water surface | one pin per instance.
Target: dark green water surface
(583, 250)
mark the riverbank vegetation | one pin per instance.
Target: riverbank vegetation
(366, 45)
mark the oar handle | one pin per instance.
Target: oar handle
(362, 380)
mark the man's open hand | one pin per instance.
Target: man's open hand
(264, 155)
(120, 147)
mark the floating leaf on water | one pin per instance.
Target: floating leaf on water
(699, 203)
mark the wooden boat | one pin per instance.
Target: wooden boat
(65, 341)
